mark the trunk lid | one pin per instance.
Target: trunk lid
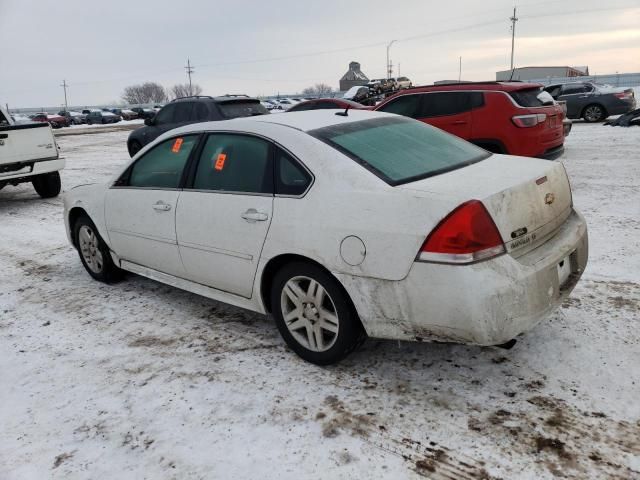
(527, 198)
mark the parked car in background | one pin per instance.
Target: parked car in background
(144, 113)
(286, 103)
(501, 117)
(186, 110)
(356, 94)
(593, 102)
(269, 105)
(125, 114)
(29, 153)
(381, 85)
(402, 82)
(75, 118)
(56, 121)
(99, 116)
(297, 237)
(324, 104)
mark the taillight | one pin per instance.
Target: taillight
(623, 95)
(531, 120)
(468, 234)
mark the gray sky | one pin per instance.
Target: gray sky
(238, 46)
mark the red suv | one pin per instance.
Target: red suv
(502, 117)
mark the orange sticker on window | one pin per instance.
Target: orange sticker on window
(176, 145)
(219, 165)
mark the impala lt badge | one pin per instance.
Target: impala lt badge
(549, 198)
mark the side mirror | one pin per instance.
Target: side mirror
(148, 122)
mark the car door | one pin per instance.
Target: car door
(449, 111)
(223, 217)
(140, 207)
(574, 95)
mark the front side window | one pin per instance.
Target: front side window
(165, 115)
(235, 163)
(162, 166)
(406, 105)
(444, 103)
(400, 150)
(291, 177)
(182, 113)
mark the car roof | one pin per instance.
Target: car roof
(497, 86)
(218, 99)
(304, 121)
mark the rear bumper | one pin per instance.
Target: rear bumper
(552, 153)
(24, 171)
(488, 303)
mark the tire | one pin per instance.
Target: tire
(94, 253)
(310, 299)
(134, 147)
(47, 185)
(594, 113)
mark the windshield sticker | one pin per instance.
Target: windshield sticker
(176, 145)
(219, 165)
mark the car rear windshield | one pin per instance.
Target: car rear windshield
(400, 150)
(242, 109)
(528, 97)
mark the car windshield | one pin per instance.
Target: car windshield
(242, 109)
(400, 150)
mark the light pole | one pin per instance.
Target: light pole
(388, 64)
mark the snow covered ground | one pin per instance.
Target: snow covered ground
(141, 380)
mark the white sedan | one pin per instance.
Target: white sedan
(342, 225)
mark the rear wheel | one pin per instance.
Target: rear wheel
(314, 314)
(94, 253)
(47, 185)
(594, 113)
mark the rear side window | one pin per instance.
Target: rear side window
(200, 112)
(235, 163)
(528, 97)
(406, 105)
(241, 109)
(291, 177)
(162, 166)
(571, 89)
(400, 150)
(440, 104)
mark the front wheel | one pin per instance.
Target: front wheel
(314, 314)
(47, 185)
(594, 113)
(94, 253)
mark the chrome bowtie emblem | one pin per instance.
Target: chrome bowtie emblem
(549, 198)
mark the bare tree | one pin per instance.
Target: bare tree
(148, 92)
(183, 90)
(319, 89)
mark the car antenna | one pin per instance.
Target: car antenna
(345, 113)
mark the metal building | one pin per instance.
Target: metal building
(530, 73)
(354, 77)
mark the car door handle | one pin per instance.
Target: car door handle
(460, 122)
(161, 206)
(252, 215)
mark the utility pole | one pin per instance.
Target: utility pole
(460, 70)
(64, 86)
(398, 68)
(388, 64)
(189, 70)
(513, 19)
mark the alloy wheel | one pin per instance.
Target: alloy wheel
(309, 313)
(89, 247)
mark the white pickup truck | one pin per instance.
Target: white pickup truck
(29, 153)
